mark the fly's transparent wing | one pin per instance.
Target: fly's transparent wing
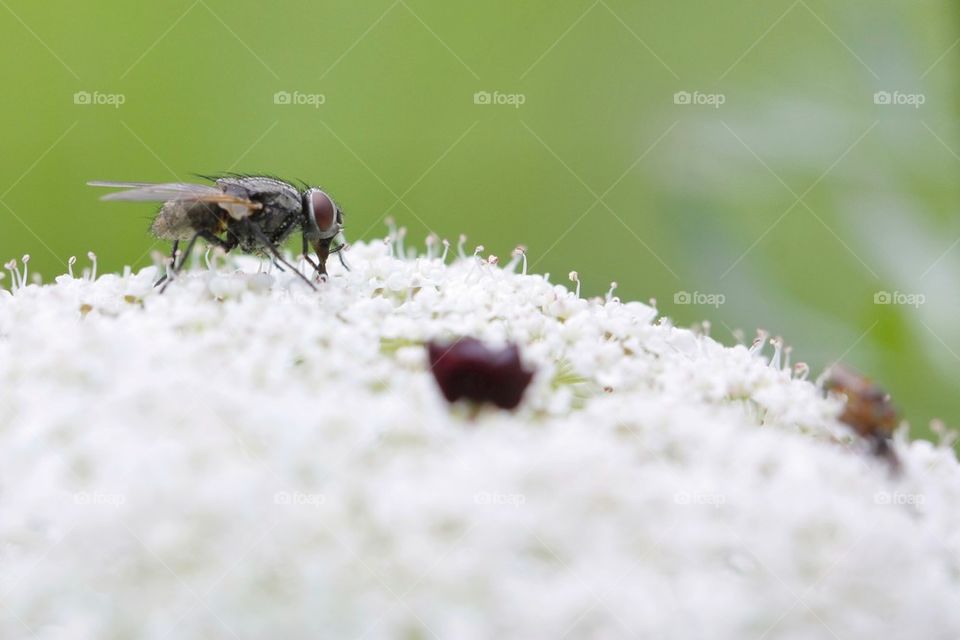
(236, 206)
(158, 192)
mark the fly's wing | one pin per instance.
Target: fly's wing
(237, 206)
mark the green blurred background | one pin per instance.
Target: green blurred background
(797, 199)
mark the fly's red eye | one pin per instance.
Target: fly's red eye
(323, 210)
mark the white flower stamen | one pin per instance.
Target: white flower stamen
(946, 437)
(12, 267)
(609, 297)
(575, 277)
(777, 350)
(93, 265)
(518, 256)
(401, 236)
(759, 342)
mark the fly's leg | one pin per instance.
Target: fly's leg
(173, 260)
(265, 241)
(306, 256)
(339, 251)
(217, 241)
(206, 235)
(177, 266)
(278, 236)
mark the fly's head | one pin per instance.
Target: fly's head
(324, 220)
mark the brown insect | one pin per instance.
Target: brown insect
(868, 410)
(471, 370)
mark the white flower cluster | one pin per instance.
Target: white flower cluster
(242, 457)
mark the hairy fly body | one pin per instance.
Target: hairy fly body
(253, 213)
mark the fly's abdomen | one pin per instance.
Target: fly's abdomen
(179, 220)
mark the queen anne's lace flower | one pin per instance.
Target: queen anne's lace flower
(242, 457)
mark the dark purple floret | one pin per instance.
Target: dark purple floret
(471, 370)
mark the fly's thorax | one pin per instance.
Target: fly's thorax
(277, 223)
(280, 211)
(270, 192)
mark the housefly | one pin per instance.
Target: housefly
(253, 213)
